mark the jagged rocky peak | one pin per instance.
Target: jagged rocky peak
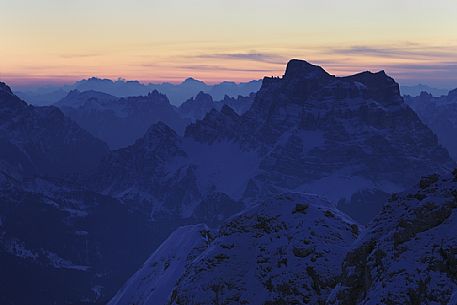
(228, 111)
(155, 94)
(452, 94)
(223, 124)
(409, 252)
(191, 80)
(4, 88)
(196, 108)
(202, 99)
(159, 132)
(9, 101)
(425, 95)
(202, 96)
(285, 250)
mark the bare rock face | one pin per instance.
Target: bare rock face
(409, 252)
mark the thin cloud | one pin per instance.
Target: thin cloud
(252, 56)
(407, 51)
(221, 68)
(80, 55)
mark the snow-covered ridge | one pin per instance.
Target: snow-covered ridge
(287, 249)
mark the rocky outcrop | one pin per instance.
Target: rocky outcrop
(408, 254)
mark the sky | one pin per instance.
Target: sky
(60, 41)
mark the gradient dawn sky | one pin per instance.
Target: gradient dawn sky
(48, 41)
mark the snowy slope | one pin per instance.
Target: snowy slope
(152, 284)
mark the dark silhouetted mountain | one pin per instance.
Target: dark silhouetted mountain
(408, 254)
(42, 141)
(285, 250)
(352, 139)
(418, 89)
(177, 93)
(120, 121)
(440, 114)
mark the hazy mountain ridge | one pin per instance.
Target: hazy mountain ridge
(177, 93)
(418, 89)
(440, 114)
(42, 141)
(197, 107)
(120, 121)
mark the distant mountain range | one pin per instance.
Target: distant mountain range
(418, 89)
(231, 178)
(177, 93)
(121, 121)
